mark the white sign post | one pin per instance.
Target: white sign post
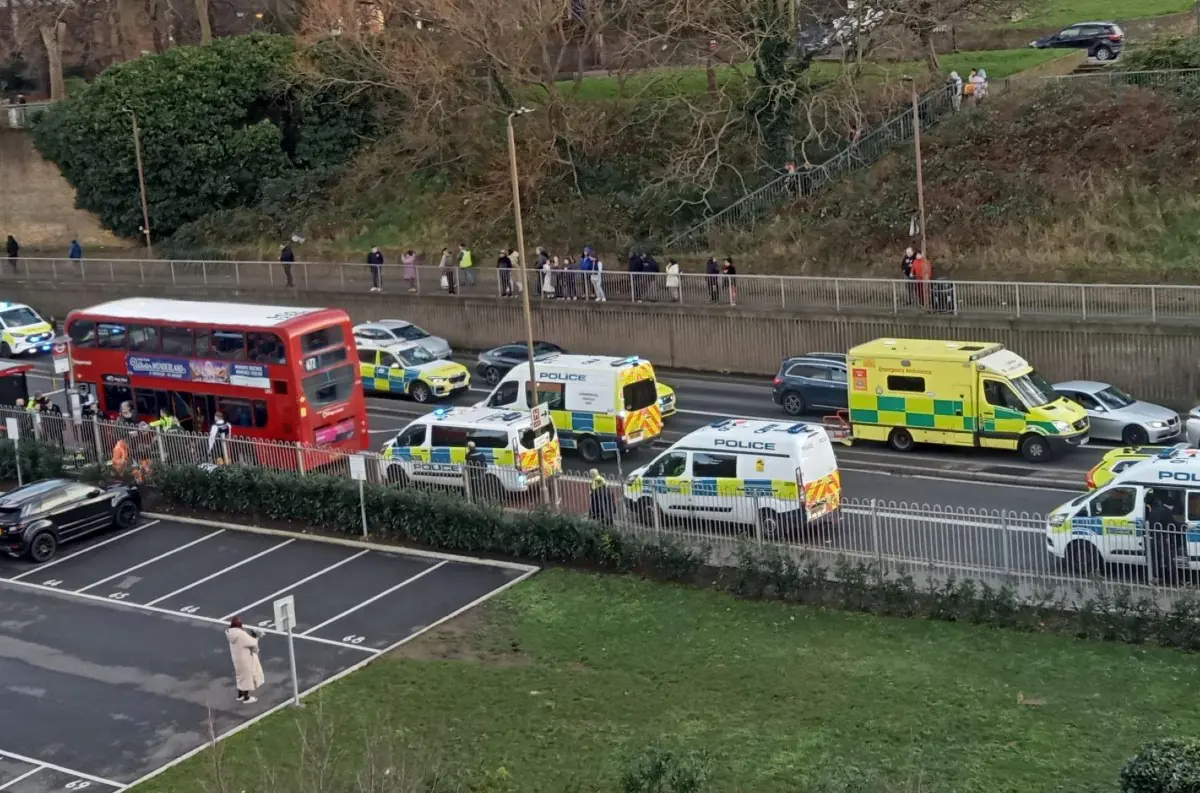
(13, 426)
(358, 471)
(285, 620)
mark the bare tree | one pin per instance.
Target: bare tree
(924, 18)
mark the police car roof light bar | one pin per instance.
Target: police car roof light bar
(796, 429)
(720, 423)
(441, 413)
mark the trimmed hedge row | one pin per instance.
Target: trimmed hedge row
(1168, 765)
(38, 460)
(449, 522)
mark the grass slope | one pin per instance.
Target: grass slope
(1048, 13)
(555, 685)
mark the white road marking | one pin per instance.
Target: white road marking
(947, 519)
(291, 586)
(88, 549)
(369, 601)
(159, 610)
(344, 673)
(15, 780)
(61, 769)
(139, 566)
(248, 560)
(973, 483)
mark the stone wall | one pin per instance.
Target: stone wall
(1157, 362)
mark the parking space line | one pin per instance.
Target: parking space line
(170, 613)
(221, 572)
(371, 600)
(304, 580)
(26, 775)
(20, 758)
(149, 561)
(39, 568)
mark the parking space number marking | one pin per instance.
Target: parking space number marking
(78, 784)
(266, 623)
(353, 639)
(53, 582)
(118, 596)
(190, 609)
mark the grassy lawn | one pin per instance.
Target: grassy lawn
(557, 684)
(688, 81)
(1048, 13)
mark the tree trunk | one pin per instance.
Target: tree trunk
(205, 24)
(931, 56)
(53, 36)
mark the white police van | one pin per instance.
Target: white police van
(742, 472)
(1107, 525)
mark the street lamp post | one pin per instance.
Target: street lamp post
(522, 272)
(137, 153)
(916, 120)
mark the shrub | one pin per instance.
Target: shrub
(659, 770)
(38, 461)
(1167, 765)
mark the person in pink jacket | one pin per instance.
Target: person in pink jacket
(247, 669)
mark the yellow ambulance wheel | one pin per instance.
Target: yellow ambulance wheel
(901, 440)
(1035, 448)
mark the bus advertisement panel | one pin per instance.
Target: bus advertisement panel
(276, 373)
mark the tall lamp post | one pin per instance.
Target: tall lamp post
(916, 120)
(141, 171)
(522, 272)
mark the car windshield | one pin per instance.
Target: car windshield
(1114, 398)
(415, 356)
(410, 333)
(1034, 390)
(19, 317)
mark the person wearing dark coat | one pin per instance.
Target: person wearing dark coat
(286, 257)
(635, 269)
(1164, 537)
(375, 260)
(712, 275)
(14, 250)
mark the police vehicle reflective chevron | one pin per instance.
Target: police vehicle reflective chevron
(776, 475)
(407, 368)
(433, 448)
(1108, 524)
(22, 331)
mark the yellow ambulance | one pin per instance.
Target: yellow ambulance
(908, 391)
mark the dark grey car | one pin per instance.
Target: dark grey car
(812, 383)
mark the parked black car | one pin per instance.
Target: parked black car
(1103, 40)
(811, 383)
(37, 518)
(496, 362)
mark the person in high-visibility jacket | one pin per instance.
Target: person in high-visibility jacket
(165, 421)
(600, 506)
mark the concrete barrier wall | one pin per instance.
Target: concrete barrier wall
(1156, 362)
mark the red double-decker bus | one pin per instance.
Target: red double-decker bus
(276, 373)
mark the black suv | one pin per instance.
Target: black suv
(1103, 40)
(37, 518)
(811, 383)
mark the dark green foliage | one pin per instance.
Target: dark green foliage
(430, 518)
(220, 124)
(14, 76)
(38, 461)
(1182, 52)
(1167, 765)
(661, 770)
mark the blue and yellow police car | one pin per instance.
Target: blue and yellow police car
(408, 369)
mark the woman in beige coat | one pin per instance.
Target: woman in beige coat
(247, 669)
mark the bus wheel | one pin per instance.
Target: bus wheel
(1035, 449)
(589, 449)
(901, 440)
(1083, 558)
(420, 393)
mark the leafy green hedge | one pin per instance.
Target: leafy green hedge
(451, 523)
(38, 461)
(1168, 765)
(429, 518)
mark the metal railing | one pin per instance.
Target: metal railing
(996, 547)
(869, 149)
(15, 116)
(800, 294)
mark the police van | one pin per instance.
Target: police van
(599, 404)
(22, 331)
(1107, 525)
(433, 449)
(742, 472)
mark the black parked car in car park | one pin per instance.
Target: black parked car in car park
(37, 518)
(1102, 40)
(493, 364)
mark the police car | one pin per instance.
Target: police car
(1107, 525)
(23, 331)
(774, 475)
(409, 369)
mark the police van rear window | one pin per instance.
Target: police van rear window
(639, 395)
(528, 436)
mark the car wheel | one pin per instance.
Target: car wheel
(491, 375)
(793, 404)
(589, 449)
(901, 440)
(1035, 449)
(397, 476)
(643, 509)
(1133, 435)
(1083, 558)
(5, 351)
(493, 488)
(126, 515)
(43, 546)
(420, 393)
(1103, 54)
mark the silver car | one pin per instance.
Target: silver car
(390, 331)
(1116, 416)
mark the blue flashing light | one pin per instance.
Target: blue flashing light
(721, 424)
(441, 413)
(797, 429)
(632, 359)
